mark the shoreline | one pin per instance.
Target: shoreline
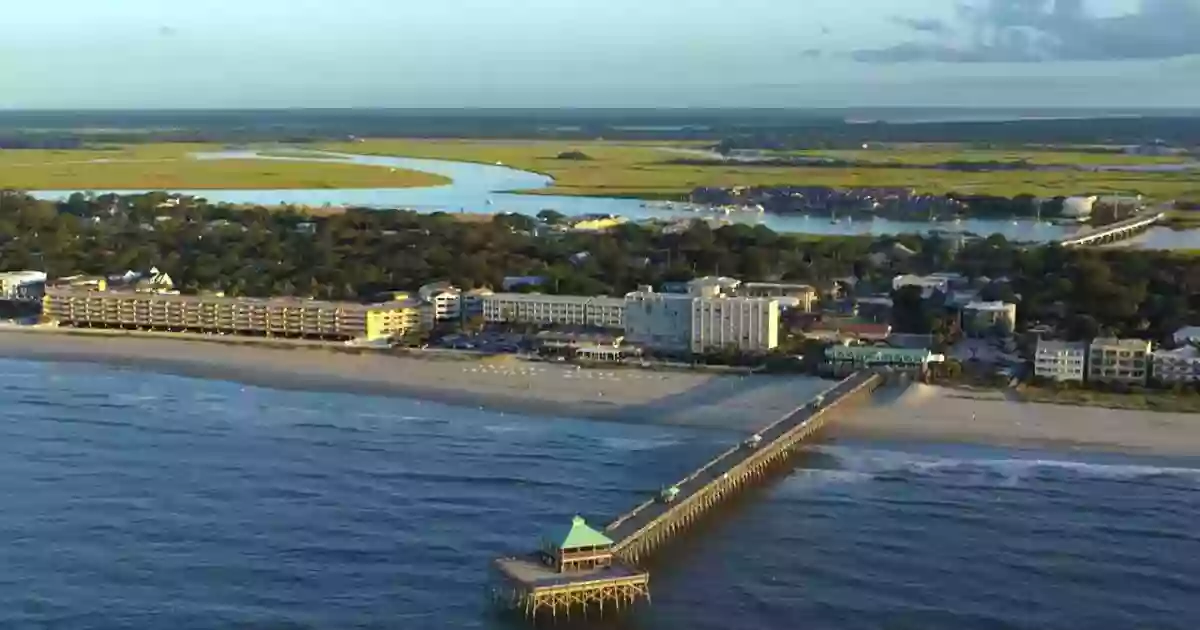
(918, 413)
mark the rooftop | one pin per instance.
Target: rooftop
(839, 351)
(1186, 352)
(580, 535)
(24, 276)
(989, 306)
(602, 300)
(1126, 344)
(1186, 333)
(213, 299)
(1048, 345)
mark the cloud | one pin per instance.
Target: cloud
(812, 53)
(926, 25)
(1046, 30)
(167, 31)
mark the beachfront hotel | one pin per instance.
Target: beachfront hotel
(675, 322)
(275, 317)
(554, 310)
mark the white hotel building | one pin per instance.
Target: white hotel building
(689, 323)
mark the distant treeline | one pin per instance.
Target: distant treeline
(731, 128)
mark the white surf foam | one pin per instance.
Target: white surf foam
(635, 444)
(877, 462)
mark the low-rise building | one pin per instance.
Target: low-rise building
(847, 357)
(801, 296)
(1060, 361)
(713, 286)
(1187, 335)
(928, 284)
(983, 319)
(1125, 361)
(841, 329)
(1179, 366)
(554, 310)
(273, 317)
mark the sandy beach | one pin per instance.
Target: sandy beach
(504, 384)
(917, 413)
(939, 414)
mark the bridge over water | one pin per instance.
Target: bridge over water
(527, 584)
(1113, 232)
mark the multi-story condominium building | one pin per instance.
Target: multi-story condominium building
(275, 317)
(1182, 365)
(554, 310)
(689, 323)
(22, 286)
(1060, 361)
(1119, 361)
(982, 319)
(443, 300)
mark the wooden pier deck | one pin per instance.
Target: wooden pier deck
(530, 586)
(651, 523)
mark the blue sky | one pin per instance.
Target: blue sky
(528, 53)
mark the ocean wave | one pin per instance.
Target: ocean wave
(635, 444)
(1011, 470)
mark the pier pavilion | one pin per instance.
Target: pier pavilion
(574, 570)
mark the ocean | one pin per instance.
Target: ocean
(144, 501)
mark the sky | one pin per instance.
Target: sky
(84, 54)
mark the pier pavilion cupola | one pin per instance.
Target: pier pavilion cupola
(580, 548)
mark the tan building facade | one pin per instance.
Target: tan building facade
(279, 317)
(1119, 361)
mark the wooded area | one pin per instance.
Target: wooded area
(359, 253)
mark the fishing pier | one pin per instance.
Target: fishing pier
(586, 568)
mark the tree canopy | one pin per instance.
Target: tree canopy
(359, 253)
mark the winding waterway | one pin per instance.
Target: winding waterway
(485, 188)
(139, 500)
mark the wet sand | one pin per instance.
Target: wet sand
(743, 403)
(509, 384)
(936, 414)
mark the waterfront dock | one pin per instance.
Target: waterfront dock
(599, 569)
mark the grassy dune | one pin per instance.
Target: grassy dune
(641, 169)
(170, 167)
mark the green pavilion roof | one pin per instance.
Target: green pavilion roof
(580, 535)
